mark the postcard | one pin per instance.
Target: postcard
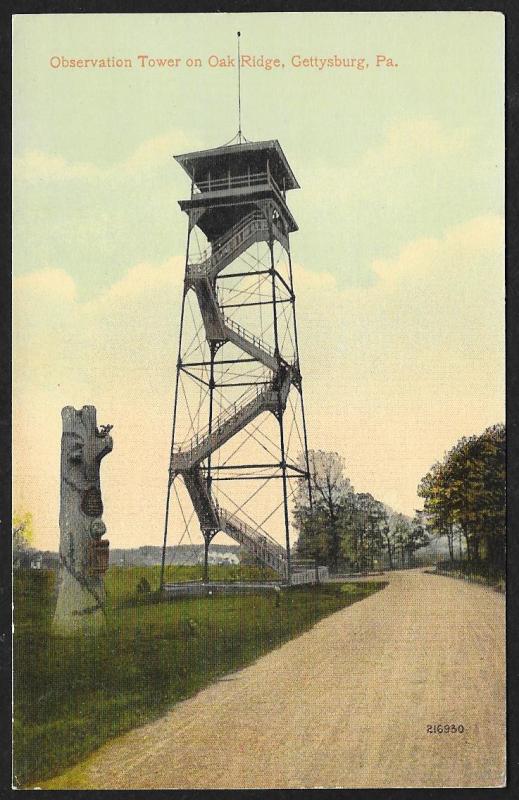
(258, 413)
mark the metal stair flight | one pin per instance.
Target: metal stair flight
(213, 517)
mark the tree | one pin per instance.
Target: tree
(389, 544)
(402, 535)
(393, 536)
(436, 490)
(312, 541)
(368, 519)
(492, 494)
(466, 493)
(377, 521)
(418, 536)
(22, 532)
(319, 518)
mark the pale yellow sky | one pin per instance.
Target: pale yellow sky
(398, 262)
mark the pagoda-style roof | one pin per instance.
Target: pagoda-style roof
(237, 159)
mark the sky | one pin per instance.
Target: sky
(398, 261)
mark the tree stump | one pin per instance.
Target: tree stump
(83, 554)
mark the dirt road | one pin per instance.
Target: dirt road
(345, 705)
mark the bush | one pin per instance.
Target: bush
(143, 587)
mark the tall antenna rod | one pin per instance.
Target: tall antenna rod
(239, 90)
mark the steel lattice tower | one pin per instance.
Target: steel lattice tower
(238, 411)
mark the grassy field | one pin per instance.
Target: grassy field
(73, 694)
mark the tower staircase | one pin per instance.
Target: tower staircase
(187, 458)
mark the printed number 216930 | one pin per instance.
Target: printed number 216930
(446, 728)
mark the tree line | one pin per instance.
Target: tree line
(465, 498)
(342, 528)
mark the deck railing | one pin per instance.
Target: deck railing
(250, 337)
(256, 533)
(235, 182)
(253, 396)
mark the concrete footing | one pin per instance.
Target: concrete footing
(200, 589)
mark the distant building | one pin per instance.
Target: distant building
(223, 558)
(35, 559)
(22, 559)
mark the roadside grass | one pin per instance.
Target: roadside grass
(72, 694)
(474, 571)
(121, 582)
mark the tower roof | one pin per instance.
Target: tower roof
(237, 157)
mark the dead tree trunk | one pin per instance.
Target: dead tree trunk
(83, 554)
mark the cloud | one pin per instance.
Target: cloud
(140, 279)
(405, 149)
(156, 151)
(56, 285)
(35, 165)
(418, 177)
(475, 238)
(61, 340)
(308, 280)
(410, 140)
(436, 294)
(48, 282)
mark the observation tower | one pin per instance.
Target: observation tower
(239, 442)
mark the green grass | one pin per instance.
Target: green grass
(72, 694)
(475, 571)
(121, 582)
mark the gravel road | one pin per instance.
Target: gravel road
(346, 704)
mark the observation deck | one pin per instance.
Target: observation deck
(237, 175)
